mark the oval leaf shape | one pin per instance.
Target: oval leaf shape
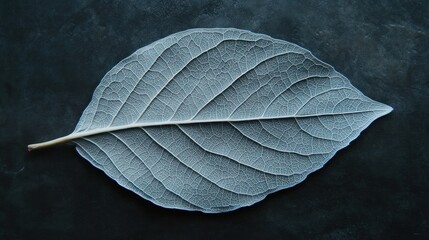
(213, 120)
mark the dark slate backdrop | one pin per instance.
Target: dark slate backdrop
(54, 53)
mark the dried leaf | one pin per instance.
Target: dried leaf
(216, 119)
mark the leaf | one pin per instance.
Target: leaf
(216, 119)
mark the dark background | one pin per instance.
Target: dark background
(54, 53)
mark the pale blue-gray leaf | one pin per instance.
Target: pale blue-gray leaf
(216, 119)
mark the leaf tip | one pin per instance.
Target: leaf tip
(384, 109)
(388, 109)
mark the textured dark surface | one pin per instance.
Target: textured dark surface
(54, 53)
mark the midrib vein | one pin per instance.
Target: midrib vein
(92, 132)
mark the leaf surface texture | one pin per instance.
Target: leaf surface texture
(216, 119)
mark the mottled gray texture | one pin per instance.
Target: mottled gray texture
(216, 119)
(54, 53)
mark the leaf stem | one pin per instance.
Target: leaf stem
(51, 142)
